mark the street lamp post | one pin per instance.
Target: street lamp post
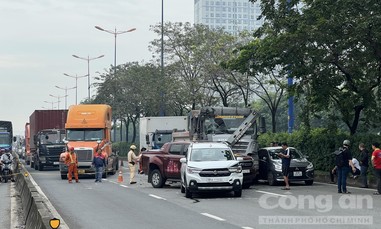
(58, 99)
(76, 84)
(115, 33)
(88, 69)
(66, 89)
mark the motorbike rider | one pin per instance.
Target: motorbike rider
(8, 156)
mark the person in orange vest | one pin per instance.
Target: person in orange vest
(71, 161)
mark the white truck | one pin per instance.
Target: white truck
(155, 131)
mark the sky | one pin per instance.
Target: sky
(39, 37)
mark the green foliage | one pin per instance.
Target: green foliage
(320, 144)
(122, 148)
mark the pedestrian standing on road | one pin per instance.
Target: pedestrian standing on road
(99, 162)
(343, 163)
(286, 161)
(71, 161)
(140, 170)
(132, 160)
(364, 164)
(376, 162)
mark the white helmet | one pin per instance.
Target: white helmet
(133, 147)
(346, 142)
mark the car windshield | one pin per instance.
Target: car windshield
(295, 154)
(84, 134)
(211, 154)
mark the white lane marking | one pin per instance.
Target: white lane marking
(213, 216)
(247, 228)
(157, 197)
(124, 186)
(270, 193)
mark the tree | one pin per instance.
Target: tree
(333, 47)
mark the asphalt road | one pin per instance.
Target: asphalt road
(5, 205)
(120, 205)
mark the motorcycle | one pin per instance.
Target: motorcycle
(6, 170)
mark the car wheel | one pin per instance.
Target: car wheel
(238, 193)
(309, 182)
(188, 193)
(271, 179)
(157, 179)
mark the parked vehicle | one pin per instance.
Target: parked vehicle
(28, 154)
(270, 166)
(88, 127)
(163, 165)
(46, 134)
(210, 166)
(155, 131)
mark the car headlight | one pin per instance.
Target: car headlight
(278, 166)
(310, 166)
(235, 169)
(193, 170)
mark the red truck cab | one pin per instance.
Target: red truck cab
(164, 165)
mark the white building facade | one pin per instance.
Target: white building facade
(232, 16)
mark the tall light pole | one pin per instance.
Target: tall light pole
(115, 33)
(65, 89)
(88, 69)
(58, 99)
(76, 84)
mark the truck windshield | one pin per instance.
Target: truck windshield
(85, 134)
(4, 139)
(225, 125)
(52, 137)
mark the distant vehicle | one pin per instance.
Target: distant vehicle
(210, 166)
(155, 131)
(46, 134)
(88, 127)
(6, 135)
(270, 166)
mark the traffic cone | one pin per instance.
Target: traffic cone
(120, 177)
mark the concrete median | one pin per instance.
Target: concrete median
(35, 206)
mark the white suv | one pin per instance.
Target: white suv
(210, 166)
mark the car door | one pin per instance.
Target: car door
(172, 164)
(263, 155)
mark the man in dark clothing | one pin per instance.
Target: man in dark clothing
(286, 161)
(364, 164)
(343, 163)
(99, 162)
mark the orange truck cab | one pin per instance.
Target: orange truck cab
(88, 128)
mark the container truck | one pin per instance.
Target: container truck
(6, 135)
(88, 127)
(28, 154)
(155, 131)
(47, 134)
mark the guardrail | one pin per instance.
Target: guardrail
(35, 206)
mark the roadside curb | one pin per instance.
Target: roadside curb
(372, 183)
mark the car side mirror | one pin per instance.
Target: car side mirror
(183, 160)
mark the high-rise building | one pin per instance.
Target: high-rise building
(232, 16)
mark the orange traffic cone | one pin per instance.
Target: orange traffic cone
(120, 177)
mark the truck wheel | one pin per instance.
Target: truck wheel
(238, 193)
(271, 179)
(31, 164)
(157, 180)
(35, 165)
(63, 176)
(40, 167)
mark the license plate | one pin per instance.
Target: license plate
(246, 171)
(298, 174)
(56, 163)
(81, 171)
(214, 180)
